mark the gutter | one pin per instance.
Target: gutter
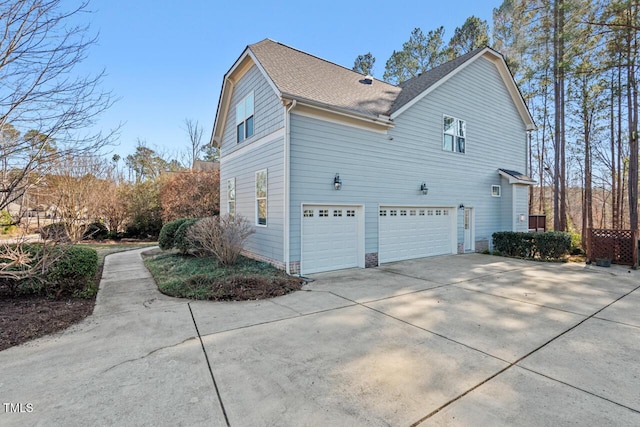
(379, 119)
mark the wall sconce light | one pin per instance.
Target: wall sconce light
(337, 183)
(521, 217)
(424, 189)
(461, 206)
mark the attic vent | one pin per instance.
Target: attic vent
(367, 80)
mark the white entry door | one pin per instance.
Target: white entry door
(468, 229)
(415, 232)
(331, 238)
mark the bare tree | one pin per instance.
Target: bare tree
(195, 138)
(45, 106)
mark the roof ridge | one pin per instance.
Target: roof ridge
(319, 58)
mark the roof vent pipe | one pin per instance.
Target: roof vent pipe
(368, 79)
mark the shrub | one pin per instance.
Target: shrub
(221, 237)
(6, 223)
(58, 232)
(73, 271)
(96, 231)
(168, 232)
(181, 240)
(547, 246)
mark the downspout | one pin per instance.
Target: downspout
(287, 170)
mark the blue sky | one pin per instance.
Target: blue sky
(165, 59)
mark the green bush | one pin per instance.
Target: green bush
(552, 245)
(181, 239)
(166, 239)
(73, 272)
(6, 223)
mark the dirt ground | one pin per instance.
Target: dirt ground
(23, 318)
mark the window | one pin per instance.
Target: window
(351, 212)
(261, 197)
(445, 212)
(231, 197)
(308, 213)
(403, 212)
(244, 118)
(430, 212)
(383, 212)
(323, 212)
(412, 212)
(495, 191)
(421, 212)
(438, 212)
(337, 212)
(393, 212)
(455, 133)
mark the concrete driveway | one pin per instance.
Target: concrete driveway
(455, 340)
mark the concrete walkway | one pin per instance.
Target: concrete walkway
(455, 340)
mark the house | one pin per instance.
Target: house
(340, 170)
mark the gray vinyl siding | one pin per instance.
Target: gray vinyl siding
(268, 115)
(268, 118)
(522, 207)
(266, 241)
(378, 169)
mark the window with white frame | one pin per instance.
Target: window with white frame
(231, 197)
(454, 134)
(495, 191)
(244, 118)
(261, 197)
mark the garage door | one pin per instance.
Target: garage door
(330, 237)
(414, 232)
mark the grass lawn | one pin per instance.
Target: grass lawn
(191, 277)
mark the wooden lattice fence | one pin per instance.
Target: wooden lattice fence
(617, 246)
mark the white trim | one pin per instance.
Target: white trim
(266, 198)
(287, 186)
(264, 73)
(340, 122)
(514, 208)
(273, 136)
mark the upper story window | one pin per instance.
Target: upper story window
(244, 118)
(455, 133)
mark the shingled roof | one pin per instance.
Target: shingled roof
(313, 81)
(303, 76)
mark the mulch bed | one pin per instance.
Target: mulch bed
(23, 318)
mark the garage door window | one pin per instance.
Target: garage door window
(351, 212)
(308, 213)
(337, 212)
(323, 212)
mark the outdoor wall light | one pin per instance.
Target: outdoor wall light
(424, 189)
(337, 183)
(521, 217)
(461, 206)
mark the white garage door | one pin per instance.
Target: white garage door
(414, 232)
(330, 238)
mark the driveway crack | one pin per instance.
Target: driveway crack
(146, 355)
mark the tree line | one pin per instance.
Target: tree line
(576, 64)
